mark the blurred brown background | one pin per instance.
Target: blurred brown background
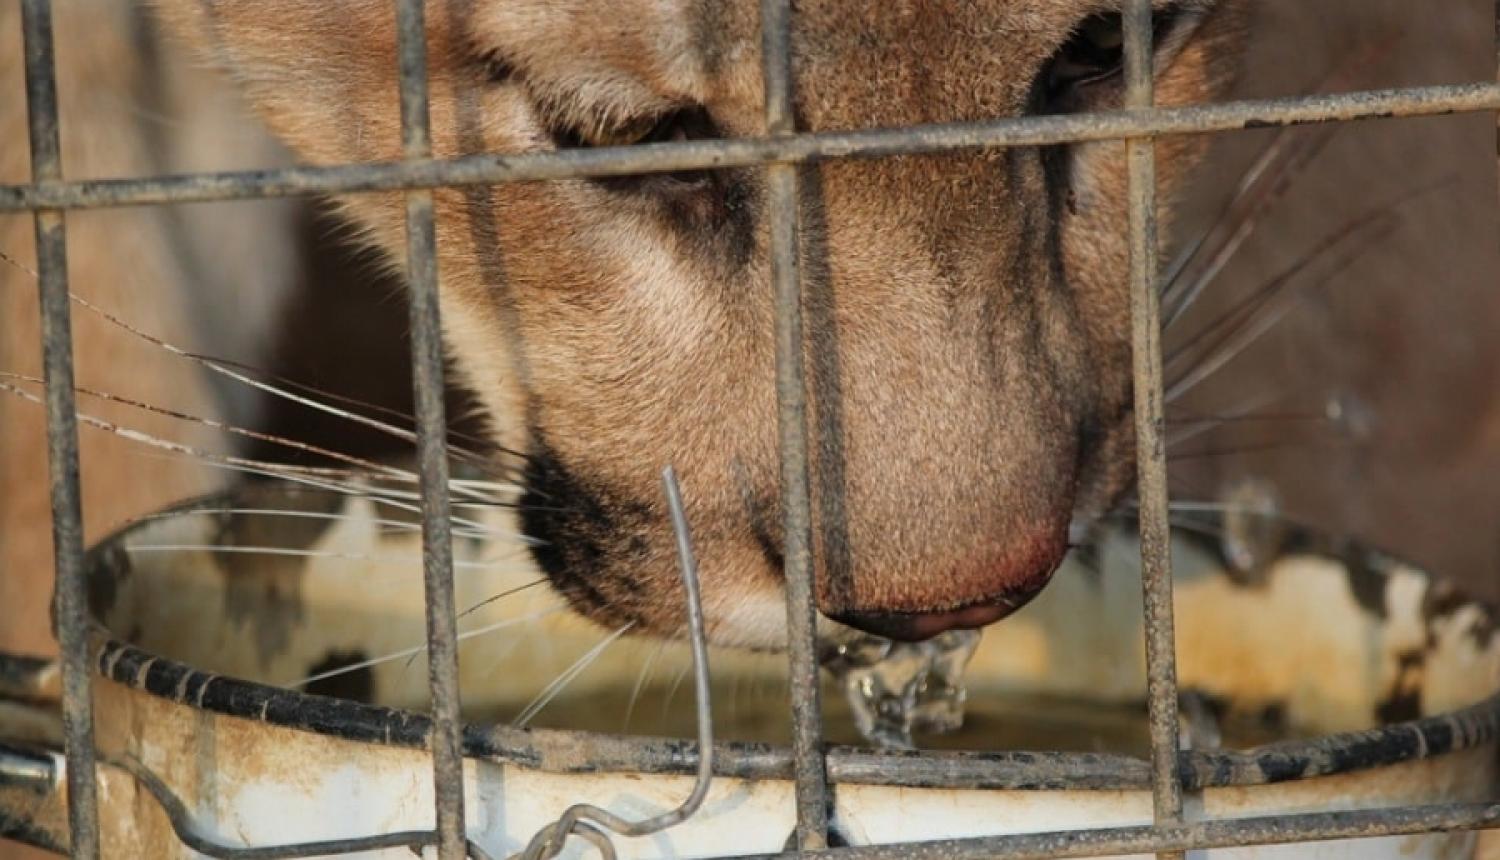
(1401, 346)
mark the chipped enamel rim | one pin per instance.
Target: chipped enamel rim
(561, 751)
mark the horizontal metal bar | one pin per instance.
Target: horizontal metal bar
(187, 832)
(1268, 830)
(557, 751)
(1265, 830)
(746, 152)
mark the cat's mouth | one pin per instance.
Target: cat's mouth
(919, 626)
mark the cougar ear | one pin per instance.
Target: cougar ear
(322, 72)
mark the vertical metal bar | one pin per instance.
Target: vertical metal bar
(1151, 462)
(791, 394)
(70, 600)
(427, 381)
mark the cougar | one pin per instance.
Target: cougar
(968, 314)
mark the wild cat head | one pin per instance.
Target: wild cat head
(968, 353)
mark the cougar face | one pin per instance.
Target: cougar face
(968, 348)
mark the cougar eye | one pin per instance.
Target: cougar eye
(681, 124)
(1093, 56)
(1096, 51)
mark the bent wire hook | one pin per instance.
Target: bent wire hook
(589, 821)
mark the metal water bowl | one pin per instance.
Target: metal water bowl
(1323, 678)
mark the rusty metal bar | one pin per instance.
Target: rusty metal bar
(446, 737)
(1177, 838)
(784, 208)
(1264, 830)
(563, 751)
(70, 595)
(749, 152)
(1150, 429)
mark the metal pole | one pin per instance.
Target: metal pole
(791, 394)
(750, 152)
(1176, 838)
(1151, 461)
(70, 599)
(427, 379)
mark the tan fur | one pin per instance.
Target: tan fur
(969, 381)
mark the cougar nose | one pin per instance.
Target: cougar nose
(917, 626)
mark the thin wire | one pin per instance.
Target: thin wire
(585, 819)
(418, 649)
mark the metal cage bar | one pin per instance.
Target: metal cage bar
(445, 738)
(1150, 429)
(1177, 838)
(1263, 830)
(784, 208)
(752, 152)
(70, 598)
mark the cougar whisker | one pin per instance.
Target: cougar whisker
(293, 552)
(551, 691)
(1263, 184)
(418, 649)
(647, 666)
(389, 524)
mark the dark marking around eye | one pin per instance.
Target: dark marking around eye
(1094, 54)
(690, 122)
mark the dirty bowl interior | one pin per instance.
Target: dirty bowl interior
(280, 585)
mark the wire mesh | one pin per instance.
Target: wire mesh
(782, 152)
